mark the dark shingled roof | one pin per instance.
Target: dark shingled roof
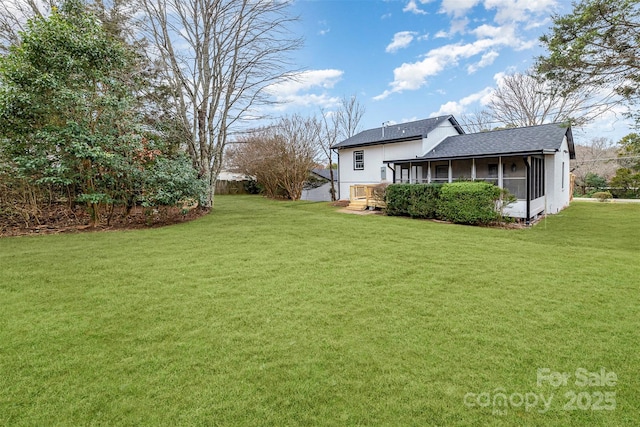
(396, 133)
(533, 139)
(324, 173)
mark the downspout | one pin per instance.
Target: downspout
(528, 166)
(338, 163)
(393, 169)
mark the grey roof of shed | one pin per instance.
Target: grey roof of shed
(532, 139)
(396, 133)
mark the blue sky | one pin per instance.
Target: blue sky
(411, 59)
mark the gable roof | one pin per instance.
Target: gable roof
(533, 139)
(396, 133)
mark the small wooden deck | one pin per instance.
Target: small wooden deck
(362, 197)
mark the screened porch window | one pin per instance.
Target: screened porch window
(537, 178)
(514, 176)
(487, 170)
(442, 173)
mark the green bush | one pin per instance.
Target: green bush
(171, 181)
(252, 187)
(602, 196)
(398, 198)
(592, 180)
(469, 202)
(458, 202)
(423, 202)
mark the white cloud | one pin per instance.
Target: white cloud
(324, 28)
(408, 120)
(537, 24)
(499, 77)
(458, 26)
(486, 60)
(400, 41)
(412, 6)
(491, 39)
(459, 107)
(458, 7)
(412, 76)
(502, 35)
(518, 10)
(442, 34)
(612, 124)
(303, 90)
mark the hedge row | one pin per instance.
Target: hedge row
(459, 202)
(414, 200)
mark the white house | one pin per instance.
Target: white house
(531, 162)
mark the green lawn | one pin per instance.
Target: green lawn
(282, 313)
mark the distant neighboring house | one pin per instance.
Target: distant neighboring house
(531, 162)
(321, 193)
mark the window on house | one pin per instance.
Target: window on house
(383, 173)
(358, 160)
(563, 175)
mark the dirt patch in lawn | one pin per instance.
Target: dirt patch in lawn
(56, 219)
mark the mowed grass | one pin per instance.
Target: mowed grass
(283, 313)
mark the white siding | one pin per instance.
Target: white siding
(374, 156)
(537, 206)
(557, 179)
(516, 209)
(438, 135)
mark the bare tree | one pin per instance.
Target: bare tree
(280, 156)
(253, 155)
(336, 125)
(219, 55)
(329, 124)
(14, 15)
(597, 157)
(480, 121)
(349, 116)
(524, 100)
(299, 152)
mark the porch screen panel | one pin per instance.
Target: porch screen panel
(514, 176)
(536, 186)
(487, 170)
(441, 172)
(404, 175)
(461, 170)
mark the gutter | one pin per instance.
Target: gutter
(471, 156)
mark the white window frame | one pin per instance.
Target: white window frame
(358, 165)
